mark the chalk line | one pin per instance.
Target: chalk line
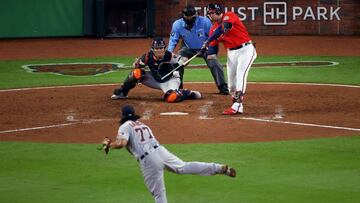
(298, 123)
(86, 121)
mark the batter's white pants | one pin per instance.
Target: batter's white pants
(238, 65)
(153, 165)
(173, 83)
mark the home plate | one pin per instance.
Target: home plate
(173, 114)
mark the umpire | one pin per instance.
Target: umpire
(194, 30)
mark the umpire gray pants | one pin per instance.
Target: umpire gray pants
(214, 65)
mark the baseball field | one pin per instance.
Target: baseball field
(298, 140)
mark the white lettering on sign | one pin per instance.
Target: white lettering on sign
(321, 13)
(297, 11)
(253, 10)
(277, 13)
(334, 13)
(309, 14)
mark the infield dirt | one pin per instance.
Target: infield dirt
(85, 114)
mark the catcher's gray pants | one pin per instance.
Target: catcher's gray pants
(214, 65)
(153, 165)
(173, 83)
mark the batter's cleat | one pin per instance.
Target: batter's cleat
(120, 96)
(231, 172)
(195, 95)
(236, 108)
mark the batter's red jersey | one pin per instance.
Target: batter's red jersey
(238, 33)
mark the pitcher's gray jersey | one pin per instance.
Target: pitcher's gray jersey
(139, 136)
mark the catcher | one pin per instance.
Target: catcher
(153, 157)
(160, 62)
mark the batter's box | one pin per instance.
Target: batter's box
(275, 13)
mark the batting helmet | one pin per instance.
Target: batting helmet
(157, 43)
(215, 7)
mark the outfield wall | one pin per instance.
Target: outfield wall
(41, 18)
(280, 17)
(146, 18)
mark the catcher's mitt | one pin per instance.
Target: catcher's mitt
(164, 69)
(105, 145)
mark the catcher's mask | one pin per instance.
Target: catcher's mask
(158, 46)
(128, 113)
(214, 8)
(189, 16)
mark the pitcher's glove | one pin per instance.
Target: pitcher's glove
(106, 145)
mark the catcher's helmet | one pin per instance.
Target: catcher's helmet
(157, 43)
(189, 10)
(215, 7)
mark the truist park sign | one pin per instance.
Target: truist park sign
(279, 13)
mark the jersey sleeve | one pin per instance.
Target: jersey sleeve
(123, 133)
(207, 26)
(229, 18)
(174, 36)
(140, 62)
(213, 49)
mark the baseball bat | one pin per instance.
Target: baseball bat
(184, 64)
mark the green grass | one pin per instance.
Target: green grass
(319, 170)
(12, 75)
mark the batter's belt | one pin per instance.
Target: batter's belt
(241, 45)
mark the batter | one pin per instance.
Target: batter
(241, 53)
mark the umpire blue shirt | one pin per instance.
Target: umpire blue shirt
(194, 38)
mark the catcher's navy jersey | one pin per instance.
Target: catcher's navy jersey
(149, 59)
(194, 38)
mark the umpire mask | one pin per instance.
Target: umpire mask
(189, 16)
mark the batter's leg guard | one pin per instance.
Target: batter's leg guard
(239, 96)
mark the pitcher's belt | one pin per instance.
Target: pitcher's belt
(145, 154)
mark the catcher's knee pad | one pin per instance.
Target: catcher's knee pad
(172, 96)
(137, 73)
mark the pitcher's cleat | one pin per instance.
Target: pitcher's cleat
(231, 172)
